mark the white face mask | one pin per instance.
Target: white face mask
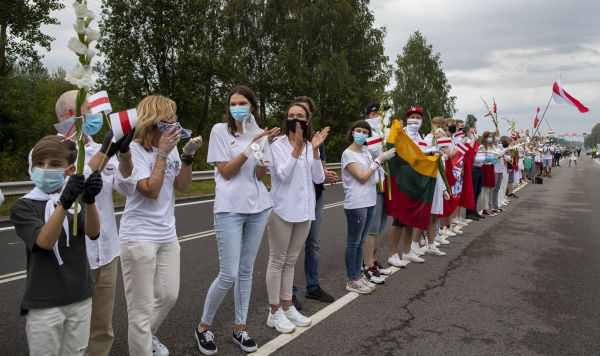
(412, 129)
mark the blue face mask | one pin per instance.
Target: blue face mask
(497, 139)
(92, 124)
(489, 140)
(240, 112)
(360, 138)
(48, 180)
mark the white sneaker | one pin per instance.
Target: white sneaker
(158, 349)
(381, 269)
(458, 221)
(358, 287)
(414, 248)
(396, 261)
(280, 322)
(466, 221)
(412, 256)
(442, 241)
(367, 283)
(296, 318)
(456, 230)
(433, 250)
(447, 232)
(436, 243)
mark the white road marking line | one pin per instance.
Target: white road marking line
(12, 274)
(520, 187)
(13, 278)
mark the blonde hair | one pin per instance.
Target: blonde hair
(150, 110)
(438, 121)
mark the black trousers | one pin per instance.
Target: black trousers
(477, 183)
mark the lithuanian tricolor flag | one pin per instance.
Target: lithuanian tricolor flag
(413, 177)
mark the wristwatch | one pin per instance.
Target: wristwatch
(187, 159)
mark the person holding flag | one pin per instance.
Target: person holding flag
(150, 259)
(103, 252)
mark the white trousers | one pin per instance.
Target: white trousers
(151, 281)
(59, 330)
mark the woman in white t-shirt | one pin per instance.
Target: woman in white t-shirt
(149, 246)
(296, 168)
(242, 205)
(358, 180)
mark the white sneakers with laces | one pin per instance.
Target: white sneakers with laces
(455, 229)
(446, 231)
(158, 349)
(280, 322)
(433, 250)
(296, 318)
(358, 287)
(412, 256)
(396, 261)
(441, 240)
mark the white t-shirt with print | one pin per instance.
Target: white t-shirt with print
(243, 193)
(151, 220)
(358, 195)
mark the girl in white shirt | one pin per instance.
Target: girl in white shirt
(242, 205)
(359, 182)
(149, 246)
(296, 166)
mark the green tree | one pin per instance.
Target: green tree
(471, 121)
(593, 138)
(20, 22)
(421, 81)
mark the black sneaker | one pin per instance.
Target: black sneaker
(245, 342)
(206, 342)
(296, 303)
(319, 294)
(381, 270)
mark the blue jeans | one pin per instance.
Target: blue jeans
(312, 249)
(358, 221)
(238, 238)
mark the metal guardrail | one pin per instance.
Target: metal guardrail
(19, 188)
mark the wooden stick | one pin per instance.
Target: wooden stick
(105, 155)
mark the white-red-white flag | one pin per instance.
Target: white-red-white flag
(551, 133)
(562, 97)
(444, 141)
(458, 135)
(99, 102)
(537, 119)
(462, 147)
(123, 122)
(373, 140)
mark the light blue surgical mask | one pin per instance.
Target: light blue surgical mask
(360, 138)
(92, 124)
(48, 180)
(489, 140)
(240, 112)
(497, 139)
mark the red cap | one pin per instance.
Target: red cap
(414, 110)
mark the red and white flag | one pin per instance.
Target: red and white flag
(551, 133)
(462, 147)
(509, 130)
(459, 135)
(423, 144)
(373, 140)
(537, 119)
(444, 141)
(123, 122)
(562, 97)
(99, 102)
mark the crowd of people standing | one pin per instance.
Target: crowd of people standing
(69, 297)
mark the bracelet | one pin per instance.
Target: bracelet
(187, 160)
(124, 156)
(162, 154)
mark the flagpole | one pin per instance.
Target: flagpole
(542, 119)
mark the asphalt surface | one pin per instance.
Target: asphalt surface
(524, 282)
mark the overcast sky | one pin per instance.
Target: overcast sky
(509, 50)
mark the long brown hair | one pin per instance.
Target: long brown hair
(251, 97)
(484, 138)
(308, 131)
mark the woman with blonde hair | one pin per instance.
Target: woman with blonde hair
(149, 246)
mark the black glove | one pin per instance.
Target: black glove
(114, 147)
(72, 190)
(124, 142)
(93, 186)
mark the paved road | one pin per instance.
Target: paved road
(524, 282)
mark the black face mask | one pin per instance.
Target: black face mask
(505, 144)
(452, 129)
(291, 124)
